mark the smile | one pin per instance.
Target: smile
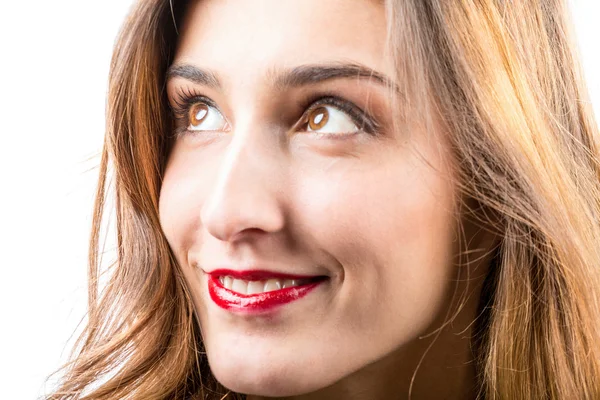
(257, 291)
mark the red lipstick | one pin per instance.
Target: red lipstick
(258, 302)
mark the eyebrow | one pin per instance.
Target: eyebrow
(312, 74)
(298, 76)
(195, 74)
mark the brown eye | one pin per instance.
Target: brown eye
(329, 119)
(198, 113)
(204, 117)
(318, 118)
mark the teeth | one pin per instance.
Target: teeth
(254, 287)
(272, 284)
(240, 286)
(228, 282)
(289, 283)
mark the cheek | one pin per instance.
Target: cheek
(180, 202)
(391, 207)
(179, 211)
(392, 230)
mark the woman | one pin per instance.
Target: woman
(393, 199)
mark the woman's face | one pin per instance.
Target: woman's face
(315, 239)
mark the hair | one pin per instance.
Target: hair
(504, 79)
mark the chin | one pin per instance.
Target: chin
(268, 377)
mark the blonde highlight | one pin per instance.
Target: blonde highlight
(505, 81)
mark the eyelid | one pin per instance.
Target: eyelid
(185, 98)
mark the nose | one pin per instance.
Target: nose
(246, 194)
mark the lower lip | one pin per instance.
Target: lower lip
(259, 302)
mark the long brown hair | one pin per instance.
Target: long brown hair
(504, 79)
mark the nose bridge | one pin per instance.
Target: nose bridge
(245, 191)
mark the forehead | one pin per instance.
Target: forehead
(242, 38)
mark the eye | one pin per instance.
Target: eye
(329, 119)
(204, 117)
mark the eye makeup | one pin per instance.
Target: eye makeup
(363, 121)
(183, 101)
(185, 98)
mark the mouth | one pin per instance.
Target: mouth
(258, 291)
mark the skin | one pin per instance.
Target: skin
(376, 213)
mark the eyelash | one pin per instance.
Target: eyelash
(361, 118)
(185, 98)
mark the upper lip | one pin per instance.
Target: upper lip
(256, 274)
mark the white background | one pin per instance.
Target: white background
(54, 65)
